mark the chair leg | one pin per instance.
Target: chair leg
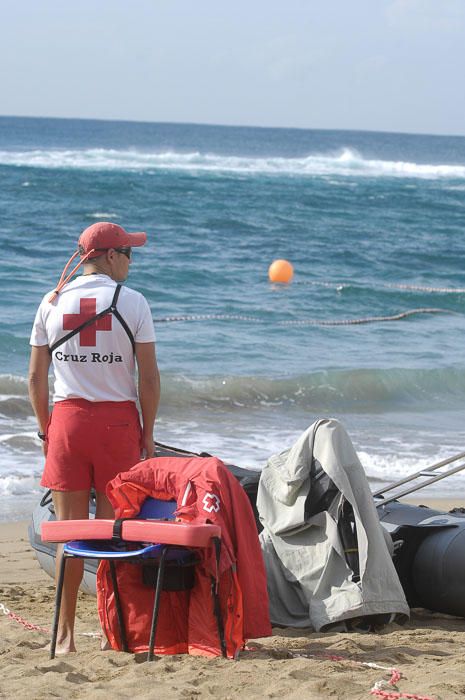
(58, 596)
(216, 599)
(119, 610)
(156, 603)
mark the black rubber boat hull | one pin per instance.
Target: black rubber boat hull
(429, 554)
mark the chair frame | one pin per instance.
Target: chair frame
(135, 556)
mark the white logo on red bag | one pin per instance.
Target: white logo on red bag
(211, 503)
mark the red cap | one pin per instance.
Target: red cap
(104, 235)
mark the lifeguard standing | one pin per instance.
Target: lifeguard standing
(94, 332)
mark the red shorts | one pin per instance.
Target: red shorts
(90, 443)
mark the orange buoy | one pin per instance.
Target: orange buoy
(280, 271)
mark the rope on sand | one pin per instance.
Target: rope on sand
(36, 628)
(22, 621)
(385, 688)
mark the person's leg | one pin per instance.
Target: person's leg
(69, 505)
(104, 509)
(115, 449)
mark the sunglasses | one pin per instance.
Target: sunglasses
(125, 251)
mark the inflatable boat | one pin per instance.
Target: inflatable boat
(428, 544)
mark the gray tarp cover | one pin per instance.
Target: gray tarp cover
(309, 582)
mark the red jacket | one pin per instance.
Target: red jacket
(186, 622)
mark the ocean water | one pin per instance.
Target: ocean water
(374, 224)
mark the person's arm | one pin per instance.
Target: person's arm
(149, 393)
(38, 385)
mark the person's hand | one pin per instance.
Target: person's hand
(45, 447)
(148, 447)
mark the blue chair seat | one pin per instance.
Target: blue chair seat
(105, 549)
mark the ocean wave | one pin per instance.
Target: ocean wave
(24, 442)
(383, 469)
(334, 390)
(341, 390)
(337, 390)
(18, 485)
(14, 397)
(15, 407)
(346, 162)
(14, 385)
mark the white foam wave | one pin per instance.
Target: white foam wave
(390, 467)
(346, 162)
(13, 385)
(104, 215)
(18, 485)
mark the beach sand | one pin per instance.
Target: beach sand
(429, 651)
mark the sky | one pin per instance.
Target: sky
(384, 65)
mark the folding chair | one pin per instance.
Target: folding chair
(153, 539)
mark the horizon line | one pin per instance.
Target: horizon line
(230, 126)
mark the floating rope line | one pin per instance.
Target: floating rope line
(369, 319)
(418, 288)
(208, 317)
(304, 321)
(340, 286)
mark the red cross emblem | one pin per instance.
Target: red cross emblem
(211, 503)
(88, 335)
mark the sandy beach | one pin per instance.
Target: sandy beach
(429, 652)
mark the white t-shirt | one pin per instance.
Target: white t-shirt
(97, 364)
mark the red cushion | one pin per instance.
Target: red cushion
(184, 534)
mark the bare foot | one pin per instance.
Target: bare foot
(105, 645)
(61, 648)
